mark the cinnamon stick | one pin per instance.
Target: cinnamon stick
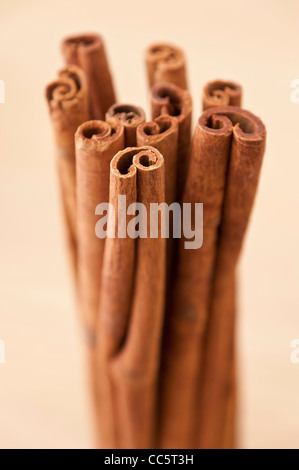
(247, 149)
(96, 144)
(131, 324)
(221, 93)
(169, 99)
(166, 63)
(184, 333)
(88, 51)
(224, 93)
(162, 133)
(68, 108)
(130, 116)
(218, 132)
(117, 290)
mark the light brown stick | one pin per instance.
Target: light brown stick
(224, 93)
(134, 339)
(247, 150)
(96, 144)
(68, 108)
(189, 309)
(166, 63)
(88, 51)
(117, 290)
(162, 133)
(130, 116)
(170, 99)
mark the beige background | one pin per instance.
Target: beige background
(43, 396)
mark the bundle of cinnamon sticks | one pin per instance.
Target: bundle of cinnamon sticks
(159, 317)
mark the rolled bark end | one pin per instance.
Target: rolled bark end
(97, 134)
(162, 133)
(96, 144)
(126, 161)
(245, 125)
(68, 89)
(148, 159)
(130, 116)
(94, 130)
(88, 51)
(168, 98)
(221, 93)
(161, 125)
(72, 44)
(166, 63)
(68, 107)
(61, 91)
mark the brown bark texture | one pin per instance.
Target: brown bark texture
(68, 108)
(169, 99)
(227, 150)
(96, 144)
(88, 51)
(132, 304)
(130, 116)
(221, 93)
(166, 63)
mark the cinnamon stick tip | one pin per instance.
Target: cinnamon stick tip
(85, 40)
(69, 85)
(128, 114)
(221, 92)
(96, 133)
(165, 51)
(177, 100)
(125, 162)
(223, 119)
(164, 124)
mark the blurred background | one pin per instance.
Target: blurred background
(43, 384)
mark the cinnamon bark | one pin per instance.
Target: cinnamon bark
(130, 323)
(162, 133)
(225, 93)
(169, 99)
(68, 108)
(88, 51)
(183, 348)
(230, 432)
(221, 93)
(247, 150)
(96, 144)
(166, 63)
(130, 116)
(225, 139)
